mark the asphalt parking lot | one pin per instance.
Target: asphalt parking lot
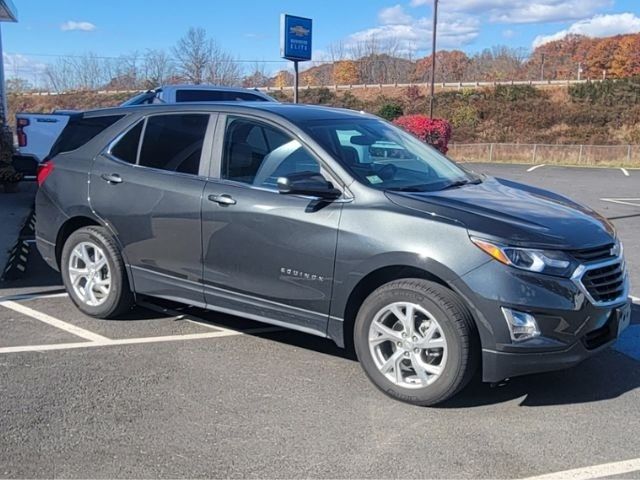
(175, 391)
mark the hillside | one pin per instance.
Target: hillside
(606, 113)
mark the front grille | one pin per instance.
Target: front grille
(595, 254)
(605, 284)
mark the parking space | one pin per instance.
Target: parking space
(175, 391)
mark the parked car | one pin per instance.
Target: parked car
(37, 132)
(272, 212)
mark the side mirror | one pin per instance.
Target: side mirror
(307, 183)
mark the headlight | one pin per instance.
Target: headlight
(551, 262)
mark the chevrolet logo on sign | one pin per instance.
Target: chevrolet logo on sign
(299, 31)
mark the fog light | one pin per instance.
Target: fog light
(522, 326)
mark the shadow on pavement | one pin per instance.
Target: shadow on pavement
(607, 375)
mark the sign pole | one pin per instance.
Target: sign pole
(432, 98)
(295, 81)
(3, 97)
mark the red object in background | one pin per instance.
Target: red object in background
(22, 137)
(44, 170)
(435, 132)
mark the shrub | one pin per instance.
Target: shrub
(464, 116)
(390, 111)
(349, 100)
(317, 96)
(412, 93)
(8, 174)
(436, 132)
(513, 93)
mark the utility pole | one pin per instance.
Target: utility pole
(433, 59)
(542, 69)
(579, 71)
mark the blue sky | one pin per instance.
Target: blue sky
(249, 28)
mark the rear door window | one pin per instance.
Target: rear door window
(174, 142)
(80, 130)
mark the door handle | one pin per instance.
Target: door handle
(223, 199)
(111, 177)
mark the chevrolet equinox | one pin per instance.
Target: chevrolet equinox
(335, 223)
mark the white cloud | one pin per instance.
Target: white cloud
(71, 25)
(20, 66)
(394, 16)
(524, 11)
(508, 33)
(597, 26)
(412, 34)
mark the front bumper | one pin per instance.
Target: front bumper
(572, 327)
(498, 365)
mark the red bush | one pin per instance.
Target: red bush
(435, 132)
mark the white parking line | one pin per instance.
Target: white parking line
(596, 471)
(32, 296)
(536, 167)
(95, 340)
(121, 341)
(634, 202)
(625, 172)
(43, 317)
(635, 300)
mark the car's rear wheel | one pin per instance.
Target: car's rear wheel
(415, 341)
(94, 274)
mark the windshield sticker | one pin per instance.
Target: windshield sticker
(374, 179)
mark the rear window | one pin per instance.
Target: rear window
(216, 96)
(80, 130)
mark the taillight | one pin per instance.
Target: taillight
(22, 137)
(44, 170)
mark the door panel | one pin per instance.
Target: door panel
(154, 210)
(269, 254)
(156, 217)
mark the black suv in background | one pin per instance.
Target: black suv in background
(337, 224)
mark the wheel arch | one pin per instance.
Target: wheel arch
(77, 222)
(371, 282)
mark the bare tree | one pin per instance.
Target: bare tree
(157, 68)
(193, 55)
(222, 68)
(258, 76)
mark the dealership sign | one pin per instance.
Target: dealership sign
(295, 38)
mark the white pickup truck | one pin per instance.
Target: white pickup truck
(36, 133)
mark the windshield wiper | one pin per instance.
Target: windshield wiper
(461, 183)
(414, 188)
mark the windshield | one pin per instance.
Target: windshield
(384, 157)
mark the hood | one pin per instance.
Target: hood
(513, 213)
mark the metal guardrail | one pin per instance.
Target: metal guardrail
(589, 155)
(441, 85)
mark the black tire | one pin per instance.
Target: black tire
(120, 297)
(457, 326)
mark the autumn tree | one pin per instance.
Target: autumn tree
(308, 78)
(451, 66)
(626, 58)
(345, 72)
(283, 79)
(601, 55)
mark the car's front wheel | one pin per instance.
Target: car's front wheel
(94, 274)
(415, 341)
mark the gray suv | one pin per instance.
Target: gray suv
(334, 223)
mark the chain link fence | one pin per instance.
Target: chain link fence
(535, 154)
